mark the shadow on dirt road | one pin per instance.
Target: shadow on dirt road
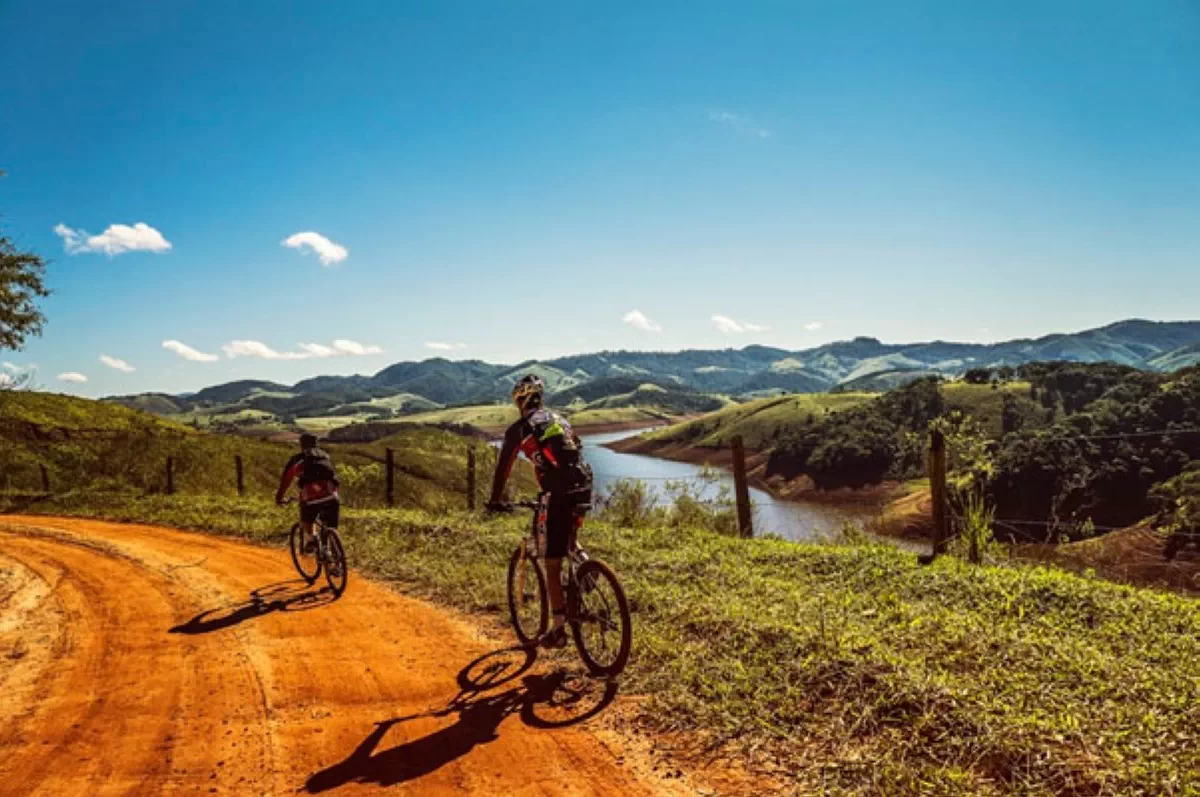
(545, 700)
(284, 596)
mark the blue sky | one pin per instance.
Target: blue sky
(520, 177)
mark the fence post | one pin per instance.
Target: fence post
(471, 478)
(170, 476)
(391, 477)
(241, 479)
(937, 490)
(740, 488)
(45, 479)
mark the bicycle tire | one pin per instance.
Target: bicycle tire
(519, 568)
(603, 574)
(298, 558)
(337, 555)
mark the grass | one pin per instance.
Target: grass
(99, 446)
(845, 669)
(985, 404)
(758, 422)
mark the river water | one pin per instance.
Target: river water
(788, 519)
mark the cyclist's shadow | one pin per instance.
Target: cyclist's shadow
(549, 700)
(284, 596)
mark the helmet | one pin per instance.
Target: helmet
(527, 393)
(308, 440)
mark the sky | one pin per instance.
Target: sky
(280, 189)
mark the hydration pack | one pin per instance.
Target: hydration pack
(318, 467)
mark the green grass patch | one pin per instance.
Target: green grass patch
(852, 668)
(760, 423)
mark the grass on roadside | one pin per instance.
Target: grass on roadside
(852, 668)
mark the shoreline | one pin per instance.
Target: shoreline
(800, 490)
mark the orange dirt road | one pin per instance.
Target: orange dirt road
(141, 660)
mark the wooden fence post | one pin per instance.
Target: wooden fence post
(938, 493)
(241, 479)
(45, 479)
(170, 476)
(471, 478)
(391, 477)
(740, 488)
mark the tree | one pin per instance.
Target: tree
(21, 275)
(978, 376)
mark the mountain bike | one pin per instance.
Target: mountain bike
(321, 551)
(597, 610)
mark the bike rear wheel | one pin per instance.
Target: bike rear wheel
(336, 572)
(308, 563)
(602, 627)
(527, 604)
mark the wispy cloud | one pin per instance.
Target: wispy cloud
(638, 320)
(72, 376)
(813, 326)
(329, 252)
(727, 325)
(117, 239)
(116, 362)
(739, 122)
(439, 346)
(308, 351)
(188, 353)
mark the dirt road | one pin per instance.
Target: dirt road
(140, 660)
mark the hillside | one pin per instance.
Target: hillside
(93, 445)
(861, 364)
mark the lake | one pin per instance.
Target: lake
(788, 519)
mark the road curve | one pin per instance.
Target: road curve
(142, 660)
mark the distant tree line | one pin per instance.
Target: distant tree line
(1098, 455)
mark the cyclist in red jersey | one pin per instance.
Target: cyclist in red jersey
(313, 469)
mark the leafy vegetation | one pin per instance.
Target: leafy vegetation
(841, 669)
(22, 284)
(89, 445)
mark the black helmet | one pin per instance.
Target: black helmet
(308, 440)
(528, 392)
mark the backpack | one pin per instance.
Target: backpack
(318, 467)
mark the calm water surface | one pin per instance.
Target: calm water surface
(789, 519)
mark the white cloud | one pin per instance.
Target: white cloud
(327, 250)
(353, 348)
(14, 368)
(813, 326)
(119, 364)
(727, 325)
(739, 122)
(308, 351)
(115, 240)
(72, 376)
(444, 346)
(254, 348)
(638, 320)
(187, 352)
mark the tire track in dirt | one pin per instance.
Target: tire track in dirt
(182, 663)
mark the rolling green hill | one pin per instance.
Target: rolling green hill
(860, 364)
(94, 445)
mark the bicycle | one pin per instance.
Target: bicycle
(311, 556)
(596, 607)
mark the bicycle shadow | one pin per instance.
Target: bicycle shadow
(283, 596)
(544, 700)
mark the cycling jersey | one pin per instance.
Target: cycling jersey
(548, 441)
(313, 469)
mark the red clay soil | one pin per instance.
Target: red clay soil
(141, 660)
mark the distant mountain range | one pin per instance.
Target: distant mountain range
(861, 363)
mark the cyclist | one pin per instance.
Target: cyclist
(549, 442)
(313, 470)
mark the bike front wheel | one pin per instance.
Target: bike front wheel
(304, 554)
(336, 572)
(527, 604)
(602, 627)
